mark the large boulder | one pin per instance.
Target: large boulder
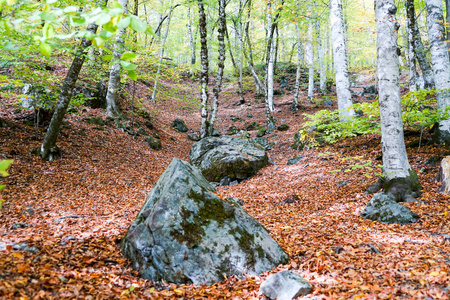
(184, 233)
(233, 157)
(383, 208)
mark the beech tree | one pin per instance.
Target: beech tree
(441, 64)
(114, 75)
(344, 96)
(48, 148)
(399, 178)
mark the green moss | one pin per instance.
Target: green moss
(246, 241)
(213, 209)
(404, 188)
(192, 233)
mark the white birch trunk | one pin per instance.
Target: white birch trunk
(440, 62)
(344, 96)
(395, 160)
(114, 76)
(320, 54)
(191, 38)
(205, 67)
(309, 53)
(161, 53)
(297, 76)
(270, 63)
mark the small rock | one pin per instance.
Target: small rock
(155, 144)
(225, 181)
(328, 103)
(25, 247)
(383, 208)
(179, 125)
(294, 160)
(261, 132)
(251, 126)
(232, 130)
(20, 225)
(28, 211)
(339, 250)
(341, 183)
(283, 127)
(216, 132)
(193, 137)
(285, 285)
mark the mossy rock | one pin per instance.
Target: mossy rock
(95, 121)
(261, 132)
(186, 234)
(251, 126)
(179, 125)
(283, 127)
(155, 144)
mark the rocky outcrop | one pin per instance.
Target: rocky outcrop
(233, 157)
(184, 233)
(383, 208)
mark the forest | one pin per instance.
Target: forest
(229, 149)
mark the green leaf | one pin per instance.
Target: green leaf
(102, 18)
(124, 23)
(47, 16)
(110, 27)
(4, 165)
(77, 21)
(138, 25)
(1, 200)
(51, 1)
(2, 186)
(106, 35)
(116, 5)
(127, 65)
(132, 74)
(70, 9)
(107, 57)
(128, 56)
(46, 49)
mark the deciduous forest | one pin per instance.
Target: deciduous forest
(229, 149)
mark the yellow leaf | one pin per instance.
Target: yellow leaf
(435, 273)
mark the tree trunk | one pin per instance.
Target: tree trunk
(114, 75)
(419, 49)
(136, 13)
(323, 75)
(447, 21)
(410, 21)
(441, 64)
(309, 52)
(48, 147)
(221, 65)
(161, 53)
(191, 38)
(344, 96)
(258, 85)
(205, 66)
(269, 66)
(400, 179)
(294, 106)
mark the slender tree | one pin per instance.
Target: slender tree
(410, 22)
(441, 64)
(320, 54)
(400, 179)
(309, 53)
(191, 38)
(48, 147)
(343, 93)
(204, 76)
(298, 72)
(114, 75)
(216, 91)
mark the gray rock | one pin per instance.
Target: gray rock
(285, 285)
(179, 125)
(383, 208)
(370, 89)
(251, 126)
(294, 160)
(261, 132)
(232, 130)
(25, 247)
(184, 233)
(233, 157)
(155, 144)
(283, 127)
(263, 142)
(216, 132)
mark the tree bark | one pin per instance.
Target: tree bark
(309, 52)
(161, 53)
(294, 106)
(258, 85)
(221, 65)
(400, 179)
(114, 75)
(419, 49)
(411, 21)
(48, 146)
(320, 54)
(441, 64)
(191, 38)
(270, 53)
(205, 67)
(344, 96)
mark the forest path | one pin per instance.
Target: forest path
(75, 210)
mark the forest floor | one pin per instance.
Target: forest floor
(73, 212)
